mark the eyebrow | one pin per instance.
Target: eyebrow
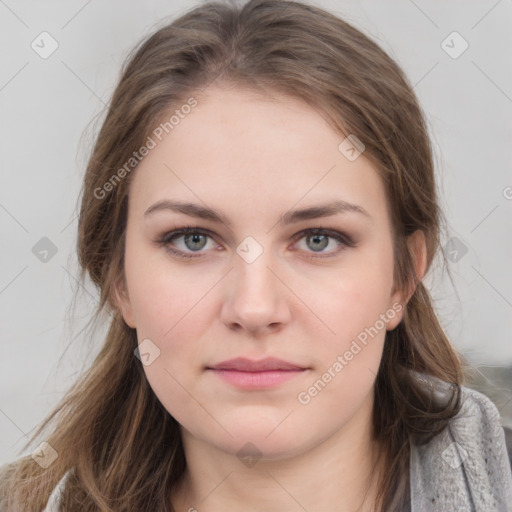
(290, 217)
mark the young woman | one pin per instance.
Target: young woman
(258, 214)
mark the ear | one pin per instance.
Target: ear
(417, 247)
(122, 301)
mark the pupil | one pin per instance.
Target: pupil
(323, 243)
(195, 240)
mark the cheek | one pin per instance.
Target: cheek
(172, 309)
(359, 294)
(357, 310)
(164, 296)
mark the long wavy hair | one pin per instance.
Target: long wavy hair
(120, 448)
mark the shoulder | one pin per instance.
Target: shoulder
(53, 500)
(467, 464)
(6, 473)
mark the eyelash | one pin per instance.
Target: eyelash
(166, 239)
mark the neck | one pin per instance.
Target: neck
(340, 474)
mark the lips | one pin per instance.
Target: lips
(245, 374)
(242, 364)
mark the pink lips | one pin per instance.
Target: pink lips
(247, 374)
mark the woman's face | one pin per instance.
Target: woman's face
(255, 284)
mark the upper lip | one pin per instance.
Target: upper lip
(243, 364)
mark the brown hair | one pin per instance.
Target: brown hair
(121, 447)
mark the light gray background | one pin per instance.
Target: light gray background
(47, 105)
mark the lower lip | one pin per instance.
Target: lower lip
(257, 380)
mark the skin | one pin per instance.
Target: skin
(254, 159)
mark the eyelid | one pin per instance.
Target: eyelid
(333, 233)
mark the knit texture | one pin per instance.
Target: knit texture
(466, 467)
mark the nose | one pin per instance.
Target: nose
(256, 299)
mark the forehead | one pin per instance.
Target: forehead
(240, 148)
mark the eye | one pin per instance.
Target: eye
(186, 241)
(318, 239)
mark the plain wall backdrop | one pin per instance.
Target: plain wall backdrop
(60, 63)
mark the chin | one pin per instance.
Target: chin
(266, 441)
